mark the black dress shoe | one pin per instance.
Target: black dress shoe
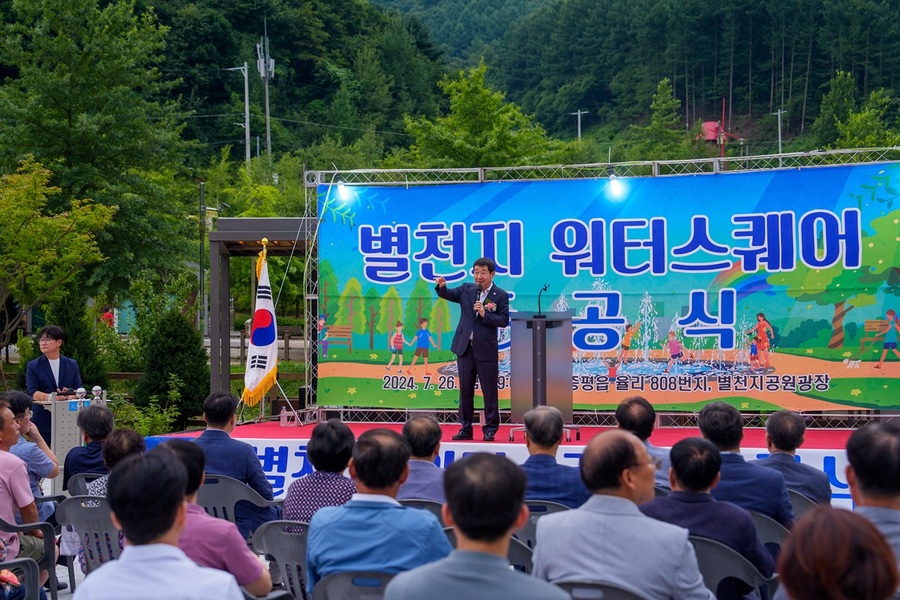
(489, 436)
(463, 435)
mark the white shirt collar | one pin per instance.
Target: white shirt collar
(374, 498)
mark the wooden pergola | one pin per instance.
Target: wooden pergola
(241, 237)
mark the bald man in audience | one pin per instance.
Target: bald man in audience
(637, 415)
(547, 479)
(609, 539)
(784, 434)
(426, 479)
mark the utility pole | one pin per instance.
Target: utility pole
(778, 113)
(246, 71)
(266, 67)
(578, 114)
(201, 218)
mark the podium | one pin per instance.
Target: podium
(540, 370)
(66, 435)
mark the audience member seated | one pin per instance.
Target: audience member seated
(873, 474)
(485, 504)
(33, 450)
(374, 532)
(636, 414)
(211, 542)
(146, 497)
(329, 450)
(426, 479)
(784, 434)
(16, 496)
(547, 479)
(120, 444)
(833, 554)
(95, 423)
(233, 458)
(608, 539)
(695, 471)
(750, 486)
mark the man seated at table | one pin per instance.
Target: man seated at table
(95, 423)
(485, 505)
(374, 532)
(211, 542)
(146, 498)
(608, 539)
(426, 479)
(547, 479)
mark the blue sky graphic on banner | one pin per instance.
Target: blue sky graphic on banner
(773, 287)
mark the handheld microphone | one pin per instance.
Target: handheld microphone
(478, 289)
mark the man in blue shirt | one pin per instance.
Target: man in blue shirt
(32, 449)
(95, 423)
(784, 434)
(547, 479)
(426, 479)
(374, 532)
(637, 415)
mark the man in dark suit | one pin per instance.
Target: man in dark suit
(484, 308)
(695, 471)
(547, 479)
(750, 486)
(50, 372)
(784, 434)
(233, 458)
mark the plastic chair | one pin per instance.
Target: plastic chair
(584, 590)
(538, 509)
(768, 530)
(77, 484)
(660, 492)
(89, 516)
(519, 555)
(219, 494)
(352, 585)
(48, 558)
(718, 562)
(800, 503)
(431, 506)
(284, 543)
(30, 574)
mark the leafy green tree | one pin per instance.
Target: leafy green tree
(418, 306)
(41, 254)
(88, 101)
(439, 320)
(176, 361)
(837, 104)
(390, 311)
(351, 310)
(868, 127)
(663, 137)
(370, 310)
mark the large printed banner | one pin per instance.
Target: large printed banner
(766, 290)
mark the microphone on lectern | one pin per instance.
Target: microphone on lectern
(543, 289)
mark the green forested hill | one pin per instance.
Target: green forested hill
(465, 28)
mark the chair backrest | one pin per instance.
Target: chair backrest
(219, 494)
(718, 562)
(47, 561)
(358, 585)
(537, 508)
(30, 573)
(431, 506)
(284, 542)
(78, 483)
(584, 590)
(800, 503)
(768, 530)
(518, 554)
(89, 517)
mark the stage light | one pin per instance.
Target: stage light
(616, 187)
(344, 192)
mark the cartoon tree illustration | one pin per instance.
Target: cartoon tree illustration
(418, 305)
(371, 302)
(350, 312)
(328, 291)
(439, 320)
(390, 311)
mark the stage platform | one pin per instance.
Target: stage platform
(282, 450)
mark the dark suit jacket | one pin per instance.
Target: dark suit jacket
(234, 458)
(754, 488)
(482, 330)
(549, 480)
(807, 480)
(39, 377)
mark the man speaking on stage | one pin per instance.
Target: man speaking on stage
(484, 308)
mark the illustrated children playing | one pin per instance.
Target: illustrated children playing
(675, 350)
(754, 353)
(323, 336)
(630, 332)
(762, 328)
(423, 340)
(395, 345)
(890, 336)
